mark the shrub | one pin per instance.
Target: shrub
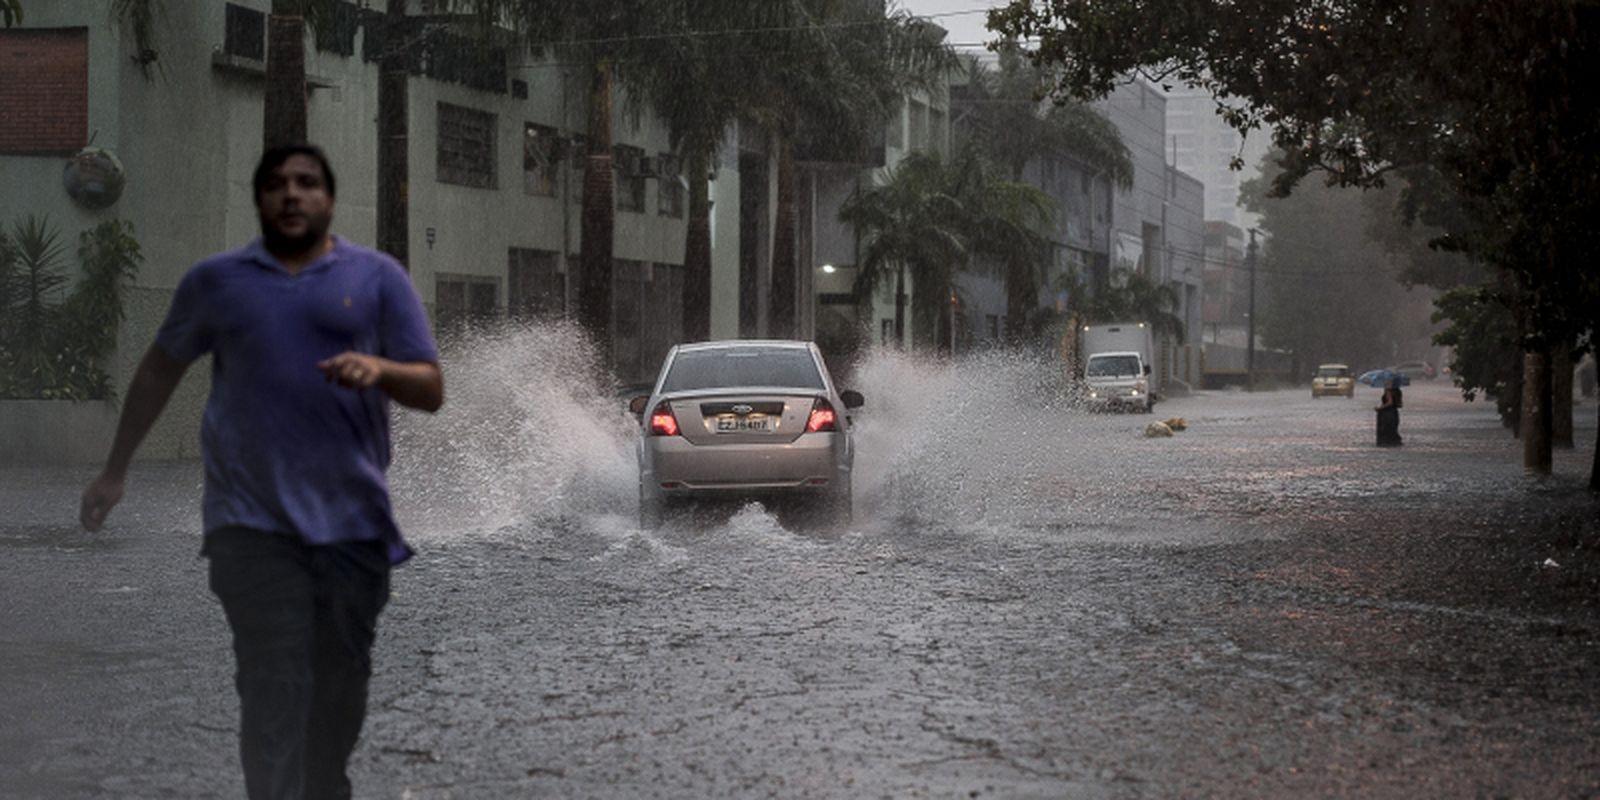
(54, 340)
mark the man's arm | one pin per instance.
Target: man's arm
(414, 384)
(158, 374)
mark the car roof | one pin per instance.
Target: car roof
(1333, 366)
(775, 344)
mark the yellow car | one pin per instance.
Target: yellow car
(1333, 379)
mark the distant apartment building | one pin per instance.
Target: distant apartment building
(1080, 236)
(1227, 285)
(1205, 146)
(1157, 224)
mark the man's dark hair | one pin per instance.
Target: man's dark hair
(274, 158)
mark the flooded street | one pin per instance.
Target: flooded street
(1033, 601)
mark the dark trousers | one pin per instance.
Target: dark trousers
(303, 619)
(1389, 427)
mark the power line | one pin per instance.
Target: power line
(816, 26)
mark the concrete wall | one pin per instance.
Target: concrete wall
(55, 432)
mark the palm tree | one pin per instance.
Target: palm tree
(284, 116)
(394, 142)
(1014, 127)
(699, 86)
(931, 220)
(611, 39)
(1132, 296)
(847, 63)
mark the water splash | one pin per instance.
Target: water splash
(533, 432)
(961, 441)
(531, 429)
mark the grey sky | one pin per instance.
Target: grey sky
(962, 18)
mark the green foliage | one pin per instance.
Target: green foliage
(1132, 296)
(1014, 125)
(1487, 97)
(935, 219)
(1327, 290)
(10, 13)
(1485, 353)
(52, 340)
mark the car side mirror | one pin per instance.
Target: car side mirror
(1147, 369)
(852, 398)
(637, 404)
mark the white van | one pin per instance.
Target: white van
(1117, 366)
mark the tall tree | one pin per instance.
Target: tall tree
(284, 116)
(698, 86)
(611, 40)
(848, 62)
(929, 220)
(394, 142)
(1331, 293)
(1009, 119)
(1486, 94)
(1131, 295)
(405, 42)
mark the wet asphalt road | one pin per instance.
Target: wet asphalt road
(1034, 602)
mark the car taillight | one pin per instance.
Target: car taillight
(822, 418)
(662, 422)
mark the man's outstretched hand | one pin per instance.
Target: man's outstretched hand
(354, 370)
(98, 500)
(414, 384)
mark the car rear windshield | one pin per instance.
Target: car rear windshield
(726, 368)
(1327, 372)
(1108, 366)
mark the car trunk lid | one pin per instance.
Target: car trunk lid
(764, 418)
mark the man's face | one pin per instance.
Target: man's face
(295, 206)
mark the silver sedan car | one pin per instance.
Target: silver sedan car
(745, 418)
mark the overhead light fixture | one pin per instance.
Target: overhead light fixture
(828, 269)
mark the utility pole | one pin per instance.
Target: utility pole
(1250, 333)
(952, 322)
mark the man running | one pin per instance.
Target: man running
(310, 337)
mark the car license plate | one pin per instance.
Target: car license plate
(751, 424)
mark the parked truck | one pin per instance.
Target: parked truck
(1117, 359)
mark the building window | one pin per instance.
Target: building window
(463, 300)
(670, 187)
(647, 303)
(534, 288)
(936, 131)
(629, 164)
(337, 32)
(44, 91)
(541, 154)
(466, 147)
(245, 33)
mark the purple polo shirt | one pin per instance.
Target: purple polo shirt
(285, 450)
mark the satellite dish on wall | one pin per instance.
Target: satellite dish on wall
(94, 178)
